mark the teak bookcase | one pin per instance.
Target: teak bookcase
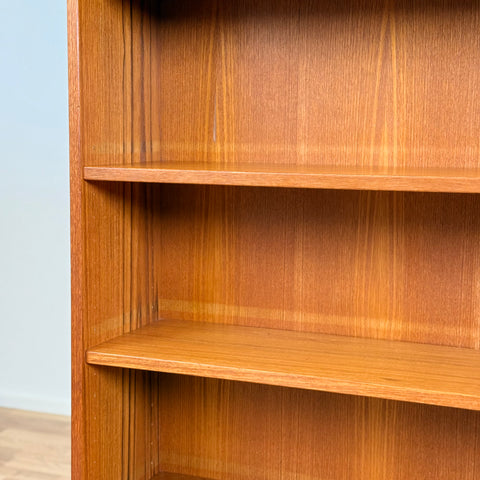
(275, 239)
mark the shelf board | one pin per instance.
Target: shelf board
(294, 176)
(429, 374)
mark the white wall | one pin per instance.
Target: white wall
(34, 208)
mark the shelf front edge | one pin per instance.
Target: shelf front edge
(294, 381)
(338, 179)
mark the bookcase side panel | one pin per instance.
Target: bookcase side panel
(116, 434)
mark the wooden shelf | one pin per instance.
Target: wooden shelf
(430, 374)
(335, 177)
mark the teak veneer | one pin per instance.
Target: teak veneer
(275, 239)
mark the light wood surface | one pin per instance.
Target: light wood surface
(396, 370)
(34, 446)
(334, 177)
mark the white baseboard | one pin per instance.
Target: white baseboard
(58, 406)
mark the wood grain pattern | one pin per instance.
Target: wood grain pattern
(430, 374)
(377, 83)
(386, 265)
(339, 178)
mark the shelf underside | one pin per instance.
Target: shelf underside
(333, 177)
(429, 374)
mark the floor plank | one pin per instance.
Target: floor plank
(34, 446)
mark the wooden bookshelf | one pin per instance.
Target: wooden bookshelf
(275, 239)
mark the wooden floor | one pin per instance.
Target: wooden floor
(34, 446)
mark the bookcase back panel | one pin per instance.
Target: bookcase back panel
(347, 82)
(238, 431)
(375, 264)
